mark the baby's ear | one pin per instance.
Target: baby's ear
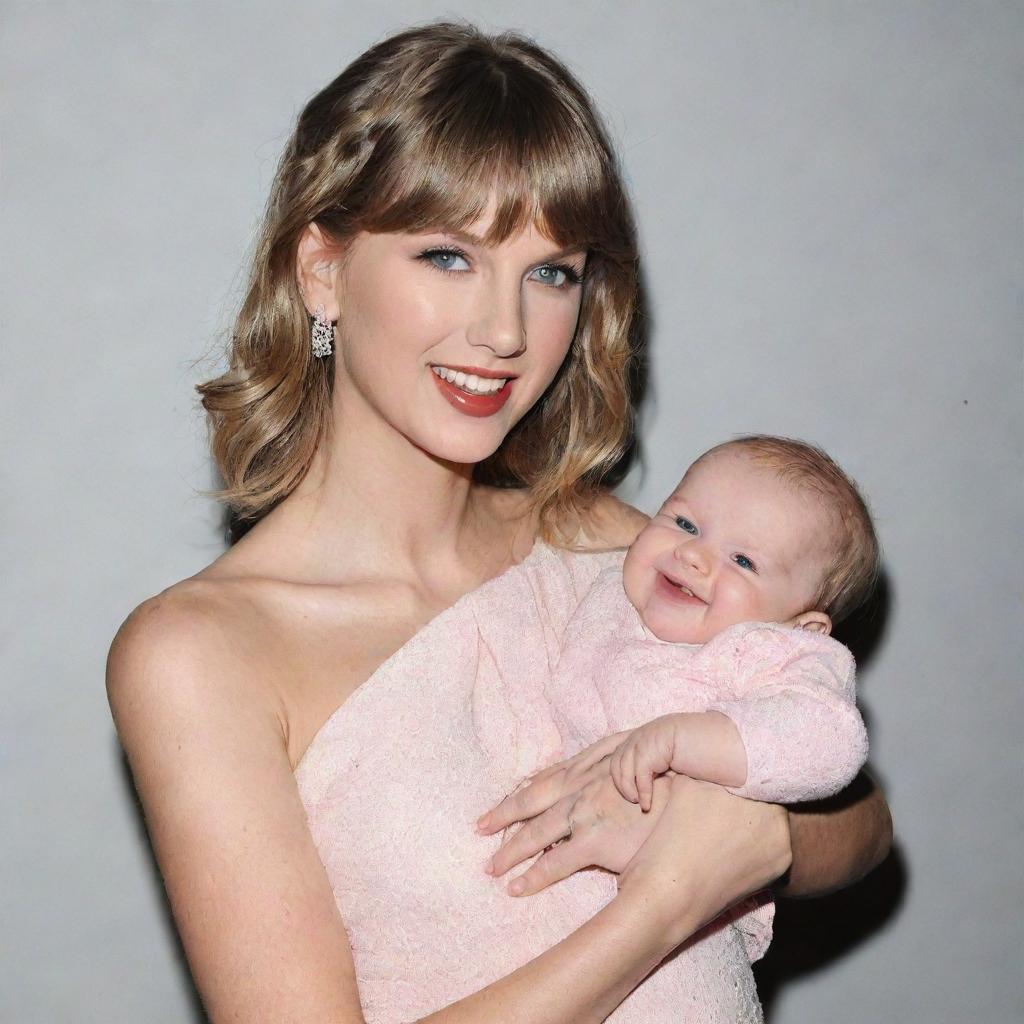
(815, 622)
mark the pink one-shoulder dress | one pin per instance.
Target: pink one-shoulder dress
(395, 779)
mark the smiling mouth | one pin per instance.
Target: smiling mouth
(471, 390)
(675, 587)
(472, 383)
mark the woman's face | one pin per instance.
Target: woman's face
(449, 341)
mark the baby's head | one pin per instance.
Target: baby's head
(761, 529)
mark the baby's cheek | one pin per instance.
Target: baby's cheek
(742, 604)
(632, 580)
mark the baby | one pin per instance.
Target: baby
(712, 644)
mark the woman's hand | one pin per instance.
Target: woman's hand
(548, 786)
(573, 811)
(708, 850)
(592, 827)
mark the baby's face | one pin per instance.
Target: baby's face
(734, 543)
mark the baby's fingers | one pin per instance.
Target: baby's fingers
(645, 788)
(623, 771)
(647, 765)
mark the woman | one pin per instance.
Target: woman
(428, 372)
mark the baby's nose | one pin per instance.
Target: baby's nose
(692, 553)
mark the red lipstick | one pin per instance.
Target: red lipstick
(474, 405)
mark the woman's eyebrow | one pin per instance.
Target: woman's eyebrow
(569, 250)
(462, 236)
(470, 239)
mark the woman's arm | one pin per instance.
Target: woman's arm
(837, 841)
(834, 842)
(204, 740)
(682, 878)
(257, 917)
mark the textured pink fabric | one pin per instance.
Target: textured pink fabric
(393, 781)
(790, 692)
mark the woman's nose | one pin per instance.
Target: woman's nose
(500, 325)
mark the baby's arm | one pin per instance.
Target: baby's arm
(703, 745)
(786, 727)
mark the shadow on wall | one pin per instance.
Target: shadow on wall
(811, 934)
(864, 631)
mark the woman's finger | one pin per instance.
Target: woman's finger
(589, 756)
(527, 802)
(539, 793)
(534, 836)
(550, 785)
(559, 862)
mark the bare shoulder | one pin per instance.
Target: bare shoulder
(199, 718)
(188, 611)
(190, 642)
(609, 523)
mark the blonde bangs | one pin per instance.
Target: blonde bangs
(467, 143)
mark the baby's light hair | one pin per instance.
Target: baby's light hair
(850, 576)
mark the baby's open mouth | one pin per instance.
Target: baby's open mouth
(681, 588)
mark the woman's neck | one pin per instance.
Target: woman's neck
(381, 505)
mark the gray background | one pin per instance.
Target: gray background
(830, 202)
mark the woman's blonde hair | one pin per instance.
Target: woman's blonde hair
(420, 132)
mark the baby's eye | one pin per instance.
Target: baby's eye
(744, 563)
(445, 259)
(684, 524)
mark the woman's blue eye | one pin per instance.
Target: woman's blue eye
(684, 524)
(744, 563)
(446, 259)
(556, 276)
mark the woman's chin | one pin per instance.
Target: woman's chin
(463, 451)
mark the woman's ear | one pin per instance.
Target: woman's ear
(814, 622)
(317, 264)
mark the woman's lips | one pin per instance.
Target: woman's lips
(670, 591)
(473, 405)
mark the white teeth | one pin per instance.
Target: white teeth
(471, 382)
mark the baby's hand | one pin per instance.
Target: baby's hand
(645, 753)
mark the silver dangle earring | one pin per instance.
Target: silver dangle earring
(322, 333)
